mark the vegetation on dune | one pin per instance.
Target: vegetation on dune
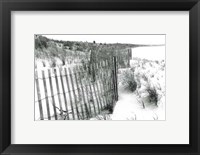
(144, 80)
(68, 51)
(128, 80)
(153, 95)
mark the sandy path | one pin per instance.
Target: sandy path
(128, 108)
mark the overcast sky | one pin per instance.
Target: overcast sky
(132, 39)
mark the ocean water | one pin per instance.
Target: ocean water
(149, 52)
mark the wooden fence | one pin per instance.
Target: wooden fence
(123, 58)
(80, 93)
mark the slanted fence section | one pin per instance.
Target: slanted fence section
(77, 93)
(124, 57)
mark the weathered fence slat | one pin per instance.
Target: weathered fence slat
(74, 93)
(91, 99)
(39, 96)
(86, 88)
(88, 100)
(103, 90)
(70, 96)
(97, 101)
(129, 56)
(115, 78)
(96, 83)
(99, 86)
(87, 112)
(58, 91)
(79, 94)
(52, 94)
(113, 87)
(103, 76)
(107, 80)
(46, 95)
(111, 84)
(64, 93)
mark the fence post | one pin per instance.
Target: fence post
(129, 57)
(39, 96)
(113, 80)
(115, 77)
(108, 81)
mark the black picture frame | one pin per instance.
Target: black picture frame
(6, 6)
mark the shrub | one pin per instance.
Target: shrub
(128, 80)
(108, 108)
(41, 42)
(153, 94)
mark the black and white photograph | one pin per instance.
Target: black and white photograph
(113, 77)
